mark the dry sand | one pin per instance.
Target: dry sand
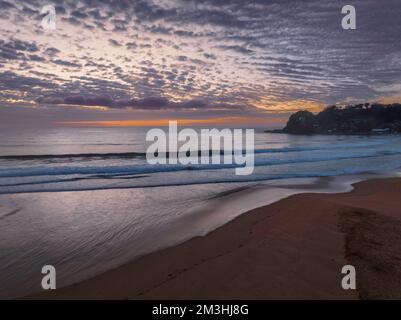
(292, 249)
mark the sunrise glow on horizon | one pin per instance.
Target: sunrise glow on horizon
(183, 122)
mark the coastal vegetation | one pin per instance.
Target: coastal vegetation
(352, 119)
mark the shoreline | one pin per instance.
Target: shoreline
(272, 252)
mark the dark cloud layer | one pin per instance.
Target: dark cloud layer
(149, 103)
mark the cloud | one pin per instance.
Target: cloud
(66, 63)
(149, 103)
(15, 49)
(51, 51)
(223, 52)
(35, 57)
(6, 5)
(11, 81)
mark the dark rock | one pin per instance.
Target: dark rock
(355, 119)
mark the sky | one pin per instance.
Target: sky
(117, 62)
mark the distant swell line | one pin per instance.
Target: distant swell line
(136, 154)
(143, 154)
(78, 155)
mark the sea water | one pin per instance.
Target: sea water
(85, 200)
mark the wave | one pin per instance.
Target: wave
(237, 179)
(148, 169)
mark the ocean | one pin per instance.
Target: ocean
(85, 200)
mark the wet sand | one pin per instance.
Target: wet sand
(292, 249)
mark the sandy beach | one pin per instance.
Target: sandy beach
(292, 249)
